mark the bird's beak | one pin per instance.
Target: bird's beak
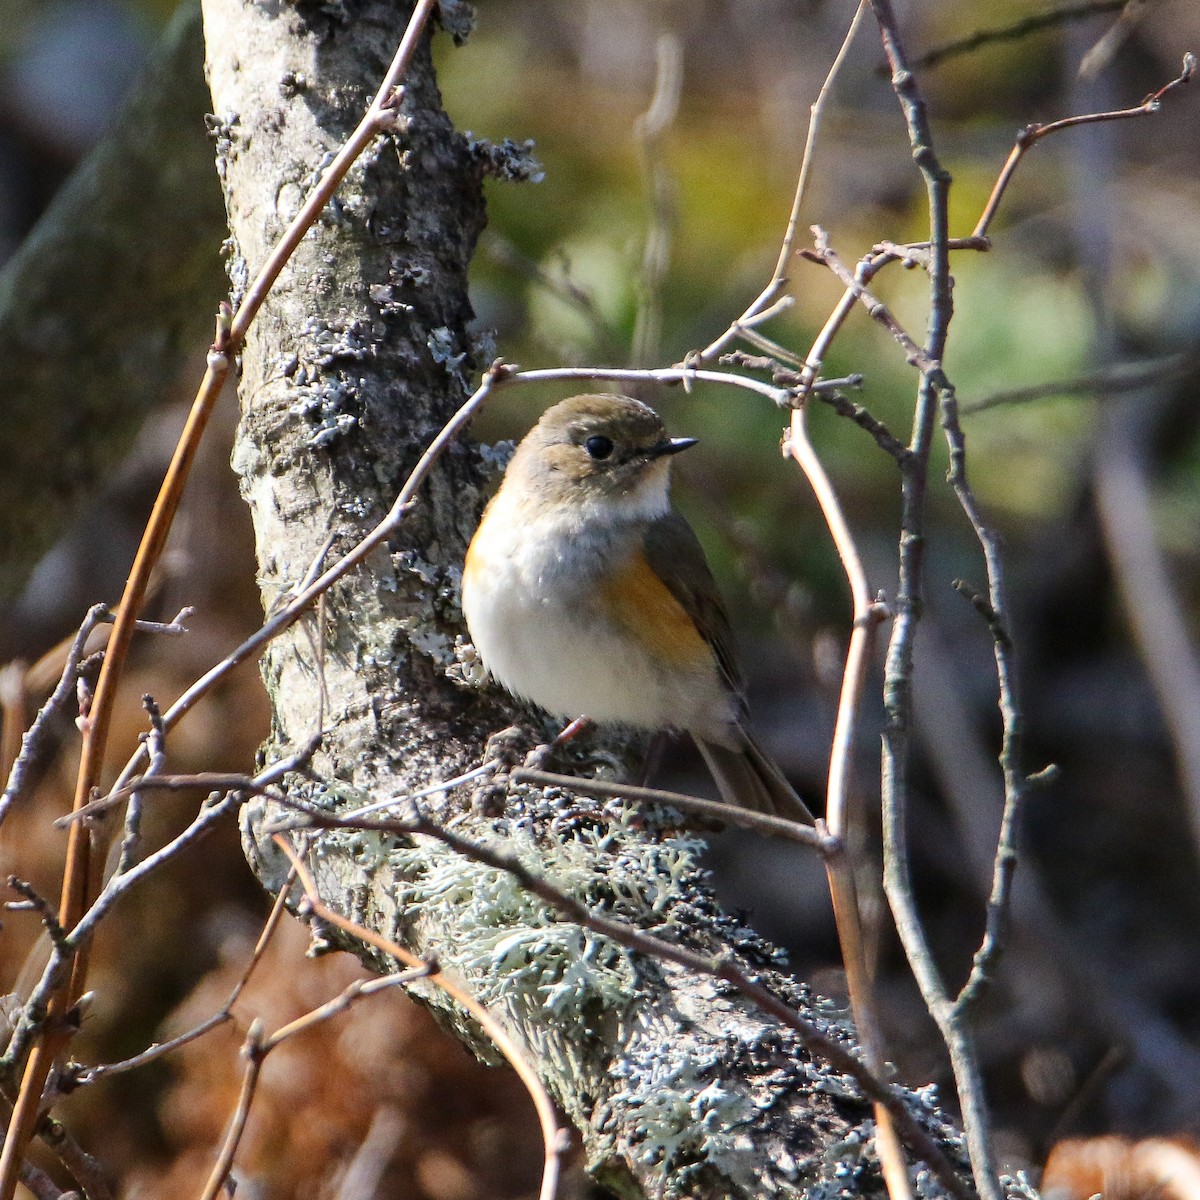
(671, 446)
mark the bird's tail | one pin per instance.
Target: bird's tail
(746, 775)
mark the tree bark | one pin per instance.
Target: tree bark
(678, 1085)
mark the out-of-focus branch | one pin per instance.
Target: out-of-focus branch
(649, 130)
(79, 376)
(1050, 19)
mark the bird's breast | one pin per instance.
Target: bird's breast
(577, 622)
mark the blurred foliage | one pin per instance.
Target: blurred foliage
(1023, 315)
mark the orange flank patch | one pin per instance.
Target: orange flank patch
(475, 564)
(643, 604)
(472, 565)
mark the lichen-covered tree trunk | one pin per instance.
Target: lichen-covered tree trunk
(678, 1085)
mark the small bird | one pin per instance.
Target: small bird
(587, 595)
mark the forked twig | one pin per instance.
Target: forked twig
(553, 1137)
(256, 1048)
(769, 299)
(1032, 134)
(230, 334)
(899, 665)
(722, 967)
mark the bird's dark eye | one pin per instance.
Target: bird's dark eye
(598, 446)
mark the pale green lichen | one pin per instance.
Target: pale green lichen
(515, 948)
(687, 1121)
(1018, 1187)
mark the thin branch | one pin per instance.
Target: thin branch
(156, 747)
(863, 418)
(172, 628)
(343, 1000)
(839, 869)
(1014, 32)
(372, 1160)
(685, 375)
(44, 909)
(209, 781)
(42, 1187)
(1032, 134)
(444, 785)
(994, 608)
(724, 967)
(553, 1137)
(212, 811)
(768, 826)
(769, 296)
(82, 1166)
(32, 741)
(898, 698)
(1113, 381)
(883, 254)
(252, 1053)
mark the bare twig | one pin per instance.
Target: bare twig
(175, 627)
(828, 391)
(899, 665)
(252, 1053)
(839, 869)
(769, 296)
(1114, 381)
(82, 1166)
(1032, 134)
(684, 374)
(994, 608)
(553, 1137)
(42, 1187)
(31, 742)
(763, 823)
(724, 967)
(443, 785)
(44, 909)
(209, 781)
(1018, 29)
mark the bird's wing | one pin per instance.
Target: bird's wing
(675, 555)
